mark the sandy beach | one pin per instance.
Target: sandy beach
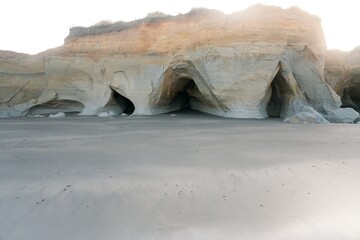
(190, 176)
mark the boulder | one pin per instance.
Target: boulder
(302, 117)
(57, 115)
(319, 118)
(107, 114)
(342, 115)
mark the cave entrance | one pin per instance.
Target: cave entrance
(183, 95)
(351, 98)
(120, 104)
(67, 106)
(280, 93)
(183, 88)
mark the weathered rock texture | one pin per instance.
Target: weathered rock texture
(265, 61)
(343, 75)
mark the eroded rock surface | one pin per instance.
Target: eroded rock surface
(251, 64)
(343, 75)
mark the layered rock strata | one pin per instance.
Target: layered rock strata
(264, 61)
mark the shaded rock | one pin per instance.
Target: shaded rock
(4, 115)
(304, 114)
(319, 118)
(54, 106)
(342, 115)
(342, 72)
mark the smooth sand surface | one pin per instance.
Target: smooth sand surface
(184, 177)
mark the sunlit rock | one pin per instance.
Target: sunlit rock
(251, 64)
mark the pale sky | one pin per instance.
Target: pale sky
(32, 26)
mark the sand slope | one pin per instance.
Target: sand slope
(184, 177)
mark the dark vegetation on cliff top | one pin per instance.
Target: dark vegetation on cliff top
(107, 26)
(152, 18)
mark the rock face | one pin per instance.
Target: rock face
(264, 61)
(343, 75)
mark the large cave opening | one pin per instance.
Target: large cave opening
(182, 88)
(183, 95)
(351, 97)
(280, 92)
(70, 107)
(120, 104)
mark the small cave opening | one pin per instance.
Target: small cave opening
(120, 104)
(280, 92)
(70, 107)
(351, 98)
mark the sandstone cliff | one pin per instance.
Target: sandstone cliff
(264, 61)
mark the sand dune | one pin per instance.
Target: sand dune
(183, 177)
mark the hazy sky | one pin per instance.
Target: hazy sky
(32, 26)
